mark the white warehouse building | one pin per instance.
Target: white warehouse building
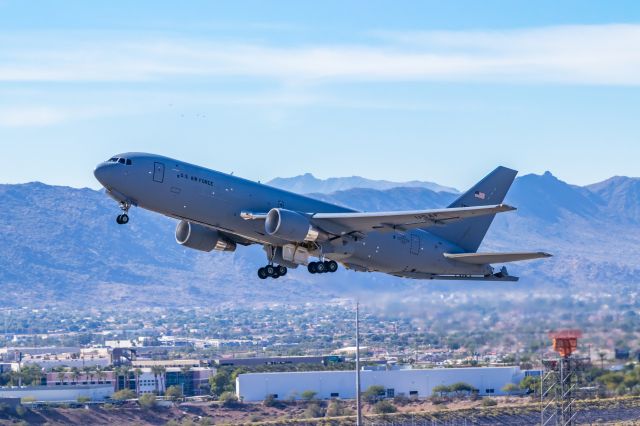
(341, 384)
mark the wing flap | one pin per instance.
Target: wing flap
(487, 258)
(364, 222)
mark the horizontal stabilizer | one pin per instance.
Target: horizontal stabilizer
(486, 258)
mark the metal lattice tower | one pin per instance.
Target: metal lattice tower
(561, 381)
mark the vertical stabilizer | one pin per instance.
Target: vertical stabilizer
(468, 233)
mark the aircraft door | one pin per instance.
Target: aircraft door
(158, 172)
(415, 245)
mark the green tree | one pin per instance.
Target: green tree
(220, 381)
(228, 399)
(174, 393)
(384, 407)
(373, 394)
(308, 395)
(442, 390)
(147, 401)
(123, 394)
(461, 388)
(530, 384)
(510, 388)
(83, 399)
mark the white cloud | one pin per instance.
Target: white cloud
(596, 54)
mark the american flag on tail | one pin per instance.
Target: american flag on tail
(480, 195)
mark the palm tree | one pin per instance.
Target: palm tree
(101, 374)
(185, 371)
(61, 376)
(126, 371)
(155, 369)
(75, 374)
(87, 371)
(137, 372)
(162, 372)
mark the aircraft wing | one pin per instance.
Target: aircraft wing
(486, 258)
(344, 223)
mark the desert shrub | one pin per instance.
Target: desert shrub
(270, 401)
(489, 402)
(336, 408)
(20, 410)
(384, 407)
(401, 400)
(228, 399)
(83, 399)
(147, 401)
(123, 394)
(312, 411)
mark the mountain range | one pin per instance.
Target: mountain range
(61, 245)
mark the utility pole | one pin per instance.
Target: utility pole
(358, 403)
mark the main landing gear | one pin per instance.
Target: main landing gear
(322, 267)
(123, 218)
(272, 271)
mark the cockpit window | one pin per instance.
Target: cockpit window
(112, 160)
(121, 160)
(128, 162)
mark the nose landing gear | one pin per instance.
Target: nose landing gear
(123, 218)
(272, 271)
(322, 267)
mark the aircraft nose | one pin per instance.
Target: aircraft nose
(102, 173)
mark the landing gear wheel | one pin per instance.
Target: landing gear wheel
(320, 268)
(270, 270)
(332, 266)
(282, 270)
(311, 267)
(124, 218)
(262, 273)
(275, 275)
(119, 219)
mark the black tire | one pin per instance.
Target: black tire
(124, 218)
(275, 275)
(119, 219)
(332, 266)
(282, 270)
(270, 270)
(311, 267)
(262, 273)
(320, 268)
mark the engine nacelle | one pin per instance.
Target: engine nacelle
(289, 225)
(201, 238)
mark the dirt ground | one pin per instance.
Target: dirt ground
(508, 411)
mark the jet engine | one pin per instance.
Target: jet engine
(289, 225)
(201, 238)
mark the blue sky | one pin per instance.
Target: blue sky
(440, 91)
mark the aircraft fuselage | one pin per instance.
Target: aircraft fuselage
(217, 200)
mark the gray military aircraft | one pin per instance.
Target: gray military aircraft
(218, 211)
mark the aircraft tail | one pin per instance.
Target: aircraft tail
(468, 233)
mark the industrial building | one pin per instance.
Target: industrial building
(58, 394)
(417, 383)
